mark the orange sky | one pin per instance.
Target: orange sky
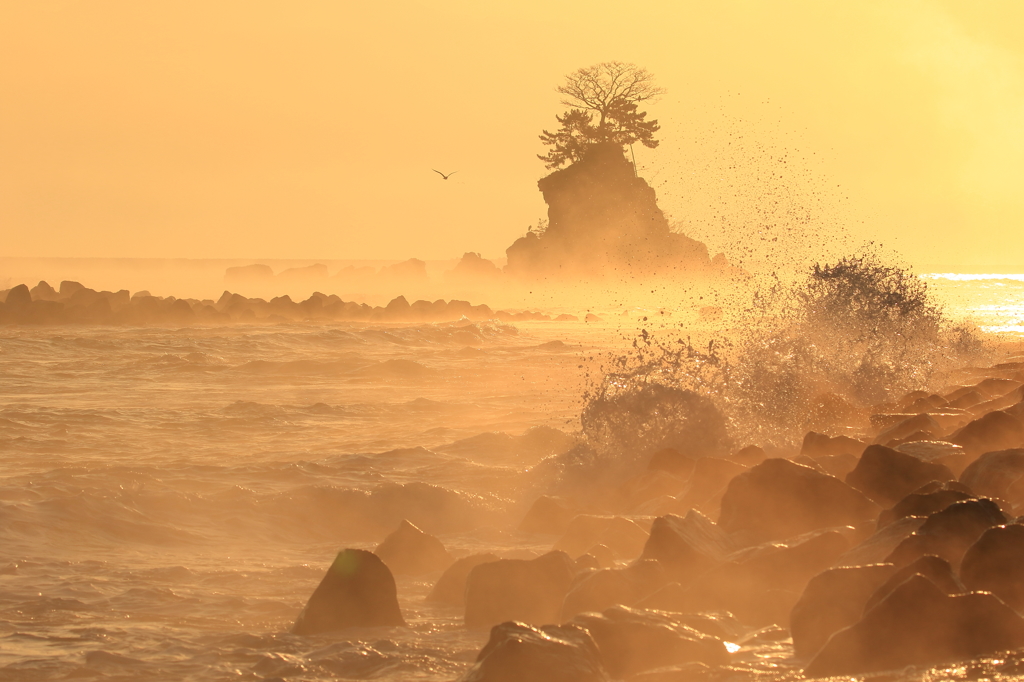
(306, 129)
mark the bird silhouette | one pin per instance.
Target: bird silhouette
(442, 174)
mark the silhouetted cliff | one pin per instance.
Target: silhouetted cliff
(604, 221)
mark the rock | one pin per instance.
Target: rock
(687, 546)
(749, 456)
(18, 297)
(817, 445)
(531, 591)
(710, 475)
(450, 588)
(833, 600)
(994, 431)
(778, 499)
(949, 533)
(941, 452)
(920, 423)
(997, 474)
(916, 504)
(358, 591)
(672, 461)
(688, 672)
(650, 485)
(837, 465)
(631, 641)
(930, 566)
(547, 516)
(410, 551)
(762, 584)
(995, 563)
(887, 476)
(601, 589)
(919, 625)
(516, 652)
(623, 536)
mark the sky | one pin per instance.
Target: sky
(310, 129)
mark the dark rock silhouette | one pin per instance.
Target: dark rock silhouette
(997, 474)
(358, 591)
(473, 268)
(410, 551)
(887, 476)
(917, 624)
(450, 588)
(778, 499)
(604, 221)
(917, 504)
(820, 445)
(997, 430)
(833, 600)
(516, 652)
(631, 641)
(531, 591)
(995, 563)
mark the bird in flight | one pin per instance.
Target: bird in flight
(442, 174)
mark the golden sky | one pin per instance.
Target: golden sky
(308, 129)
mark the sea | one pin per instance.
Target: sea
(170, 497)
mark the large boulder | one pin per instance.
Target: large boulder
(930, 566)
(949, 533)
(917, 624)
(631, 641)
(879, 545)
(995, 563)
(778, 499)
(530, 591)
(410, 551)
(517, 652)
(833, 600)
(997, 474)
(450, 588)
(687, 546)
(996, 430)
(18, 297)
(887, 476)
(358, 591)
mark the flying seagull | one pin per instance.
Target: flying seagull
(442, 174)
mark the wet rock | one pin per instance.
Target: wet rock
(916, 624)
(623, 536)
(995, 563)
(601, 589)
(916, 504)
(410, 551)
(749, 456)
(879, 545)
(994, 431)
(687, 546)
(631, 641)
(941, 452)
(672, 461)
(837, 465)
(688, 672)
(833, 600)
(949, 533)
(778, 499)
(930, 566)
(450, 588)
(997, 474)
(358, 591)
(517, 652)
(531, 591)
(547, 516)
(887, 476)
(919, 423)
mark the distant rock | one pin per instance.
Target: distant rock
(623, 536)
(517, 652)
(530, 591)
(949, 533)
(547, 516)
(410, 551)
(997, 474)
(19, 297)
(917, 624)
(358, 591)
(450, 588)
(604, 588)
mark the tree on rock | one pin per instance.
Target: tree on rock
(611, 93)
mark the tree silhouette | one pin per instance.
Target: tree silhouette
(611, 92)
